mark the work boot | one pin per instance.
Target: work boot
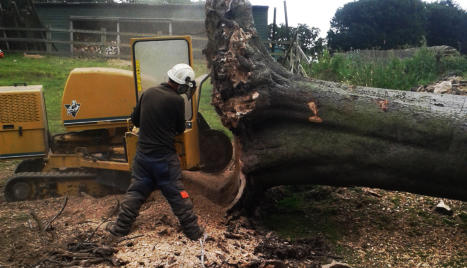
(129, 210)
(116, 230)
(194, 233)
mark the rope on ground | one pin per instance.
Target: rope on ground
(201, 242)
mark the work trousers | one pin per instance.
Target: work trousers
(163, 172)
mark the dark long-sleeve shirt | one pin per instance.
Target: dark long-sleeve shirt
(160, 116)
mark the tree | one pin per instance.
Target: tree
(446, 25)
(292, 130)
(308, 38)
(383, 24)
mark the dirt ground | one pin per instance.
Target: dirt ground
(371, 228)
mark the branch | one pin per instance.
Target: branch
(65, 201)
(112, 212)
(128, 238)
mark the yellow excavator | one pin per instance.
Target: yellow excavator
(95, 153)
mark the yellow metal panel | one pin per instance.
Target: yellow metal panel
(23, 126)
(61, 161)
(191, 157)
(95, 125)
(29, 143)
(21, 104)
(131, 141)
(94, 95)
(76, 187)
(138, 75)
(186, 145)
(111, 165)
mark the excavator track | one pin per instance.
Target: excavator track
(37, 185)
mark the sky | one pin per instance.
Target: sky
(316, 13)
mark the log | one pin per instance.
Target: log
(294, 130)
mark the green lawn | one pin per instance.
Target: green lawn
(51, 72)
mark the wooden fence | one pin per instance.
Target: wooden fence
(110, 45)
(113, 48)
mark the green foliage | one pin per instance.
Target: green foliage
(308, 38)
(382, 24)
(387, 24)
(446, 25)
(207, 110)
(394, 73)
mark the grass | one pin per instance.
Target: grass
(368, 231)
(52, 72)
(295, 217)
(394, 73)
(207, 110)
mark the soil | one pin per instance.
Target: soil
(374, 228)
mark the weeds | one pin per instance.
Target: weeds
(423, 68)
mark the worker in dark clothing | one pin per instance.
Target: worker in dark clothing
(160, 116)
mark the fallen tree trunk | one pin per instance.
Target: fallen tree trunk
(294, 130)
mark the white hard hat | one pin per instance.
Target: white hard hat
(180, 72)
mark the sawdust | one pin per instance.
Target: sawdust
(161, 242)
(379, 229)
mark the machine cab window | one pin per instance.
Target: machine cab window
(153, 57)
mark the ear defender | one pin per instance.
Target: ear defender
(188, 88)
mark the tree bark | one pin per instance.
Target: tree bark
(294, 130)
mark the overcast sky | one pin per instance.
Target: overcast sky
(316, 13)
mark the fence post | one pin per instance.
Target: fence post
(48, 36)
(103, 35)
(71, 38)
(6, 41)
(118, 38)
(170, 27)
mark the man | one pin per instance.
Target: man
(160, 116)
